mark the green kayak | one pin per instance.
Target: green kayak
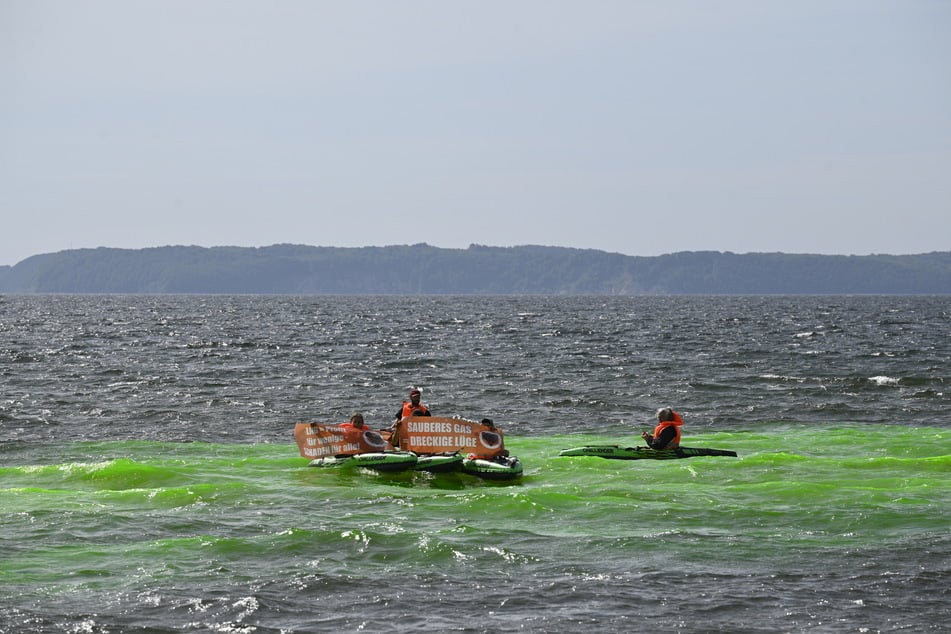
(616, 452)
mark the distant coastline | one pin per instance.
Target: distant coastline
(422, 269)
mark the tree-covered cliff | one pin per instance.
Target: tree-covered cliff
(424, 269)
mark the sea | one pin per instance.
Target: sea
(150, 482)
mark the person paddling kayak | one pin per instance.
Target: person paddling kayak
(667, 433)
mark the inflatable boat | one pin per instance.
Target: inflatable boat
(386, 461)
(616, 452)
(497, 468)
(439, 462)
(420, 443)
(449, 444)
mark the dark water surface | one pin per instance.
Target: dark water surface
(149, 481)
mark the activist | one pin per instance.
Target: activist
(667, 433)
(412, 407)
(491, 441)
(356, 422)
(354, 428)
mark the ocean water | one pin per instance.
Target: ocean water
(149, 481)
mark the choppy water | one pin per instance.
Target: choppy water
(149, 481)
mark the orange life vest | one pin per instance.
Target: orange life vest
(676, 423)
(409, 408)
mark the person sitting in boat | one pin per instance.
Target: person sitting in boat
(356, 431)
(492, 438)
(356, 422)
(667, 433)
(354, 428)
(412, 407)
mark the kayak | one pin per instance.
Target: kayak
(616, 452)
(498, 468)
(439, 462)
(388, 461)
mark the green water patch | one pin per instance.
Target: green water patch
(127, 514)
(109, 474)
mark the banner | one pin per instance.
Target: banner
(436, 434)
(318, 441)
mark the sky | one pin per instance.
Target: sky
(630, 126)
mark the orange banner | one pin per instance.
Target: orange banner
(317, 441)
(436, 434)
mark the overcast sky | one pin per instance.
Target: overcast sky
(628, 126)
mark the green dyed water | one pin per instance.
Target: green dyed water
(109, 528)
(149, 481)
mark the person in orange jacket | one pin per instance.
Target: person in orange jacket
(356, 422)
(412, 407)
(354, 428)
(667, 433)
